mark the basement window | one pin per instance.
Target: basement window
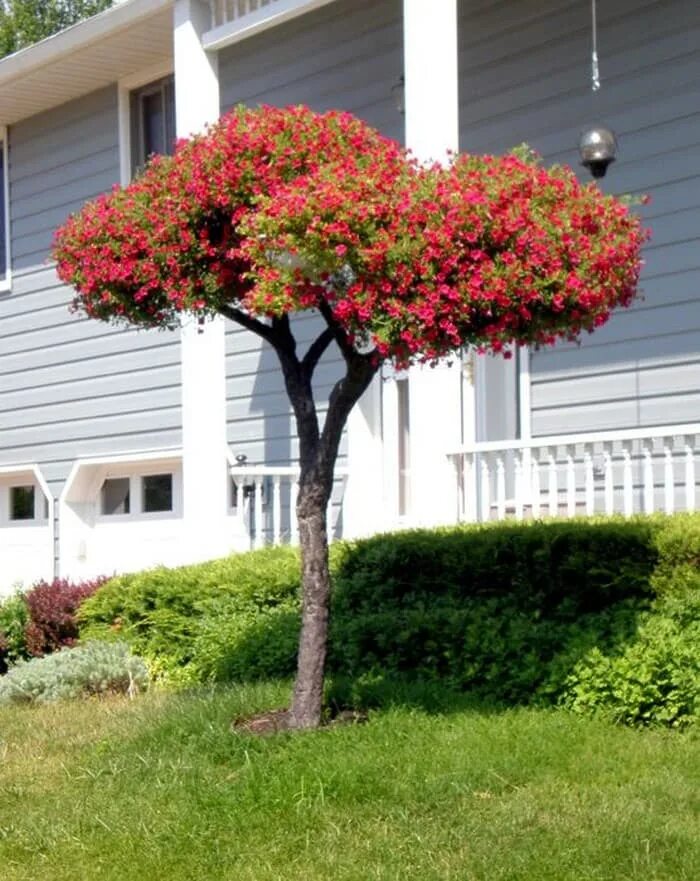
(157, 492)
(115, 496)
(22, 501)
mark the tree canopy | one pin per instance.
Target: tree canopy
(23, 22)
(273, 212)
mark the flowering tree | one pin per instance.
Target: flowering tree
(278, 211)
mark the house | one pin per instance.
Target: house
(121, 448)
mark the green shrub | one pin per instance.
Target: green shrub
(162, 612)
(653, 678)
(93, 668)
(14, 617)
(500, 610)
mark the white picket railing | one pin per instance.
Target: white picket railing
(626, 472)
(227, 11)
(264, 500)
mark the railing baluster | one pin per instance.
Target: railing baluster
(627, 486)
(293, 523)
(648, 469)
(519, 485)
(500, 488)
(669, 483)
(485, 487)
(259, 526)
(536, 487)
(589, 480)
(689, 448)
(609, 486)
(570, 482)
(553, 484)
(469, 506)
(276, 509)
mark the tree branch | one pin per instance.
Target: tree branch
(258, 327)
(316, 350)
(339, 334)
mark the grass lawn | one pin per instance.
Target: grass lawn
(159, 788)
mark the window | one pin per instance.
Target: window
(139, 493)
(115, 496)
(4, 214)
(152, 121)
(22, 502)
(157, 492)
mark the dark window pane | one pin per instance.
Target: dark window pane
(153, 122)
(21, 503)
(169, 97)
(115, 496)
(158, 492)
(3, 219)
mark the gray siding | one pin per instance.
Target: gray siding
(69, 386)
(524, 76)
(346, 56)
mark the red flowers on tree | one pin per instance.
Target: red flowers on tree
(278, 211)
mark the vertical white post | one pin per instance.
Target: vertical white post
(648, 469)
(500, 487)
(276, 509)
(203, 374)
(609, 483)
(293, 522)
(589, 480)
(536, 484)
(570, 482)
(552, 483)
(469, 484)
(519, 479)
(628, 497)
(669, 483)
(485, 488)
(438, 396)
(259, 524)
(689, 473)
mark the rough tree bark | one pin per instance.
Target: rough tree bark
(318, 452)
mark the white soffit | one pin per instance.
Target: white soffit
(130, 36)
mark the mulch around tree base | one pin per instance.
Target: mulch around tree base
(277, 721)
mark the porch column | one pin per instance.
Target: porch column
(205, 483)
(441, 399)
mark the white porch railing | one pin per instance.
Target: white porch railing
(626, 472)
(265, 498)
(233, 20)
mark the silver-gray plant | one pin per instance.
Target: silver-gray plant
(92, 668)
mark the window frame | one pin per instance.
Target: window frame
(11, 478)
(126, 87)
(136, 473)
(6, 271)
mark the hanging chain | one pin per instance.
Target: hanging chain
(595, 69)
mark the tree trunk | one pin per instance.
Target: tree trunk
(313, 539)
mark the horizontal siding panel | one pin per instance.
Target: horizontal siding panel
(524, 76)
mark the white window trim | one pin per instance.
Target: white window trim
(25, 475)
(125, 87)
(6, 283)
(136, 474)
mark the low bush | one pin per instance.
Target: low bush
(90, 669)
(173, 616)
(14, 617)
(652, 678)
(52, 607)
(506, 612)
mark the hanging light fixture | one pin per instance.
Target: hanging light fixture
(598, 144)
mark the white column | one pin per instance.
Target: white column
(437, 395)
(205, 482)
(363, 509)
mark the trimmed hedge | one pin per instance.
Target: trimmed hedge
(508, 612)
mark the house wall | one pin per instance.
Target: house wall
(71, 387)
(525, 76)
(347, 55)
